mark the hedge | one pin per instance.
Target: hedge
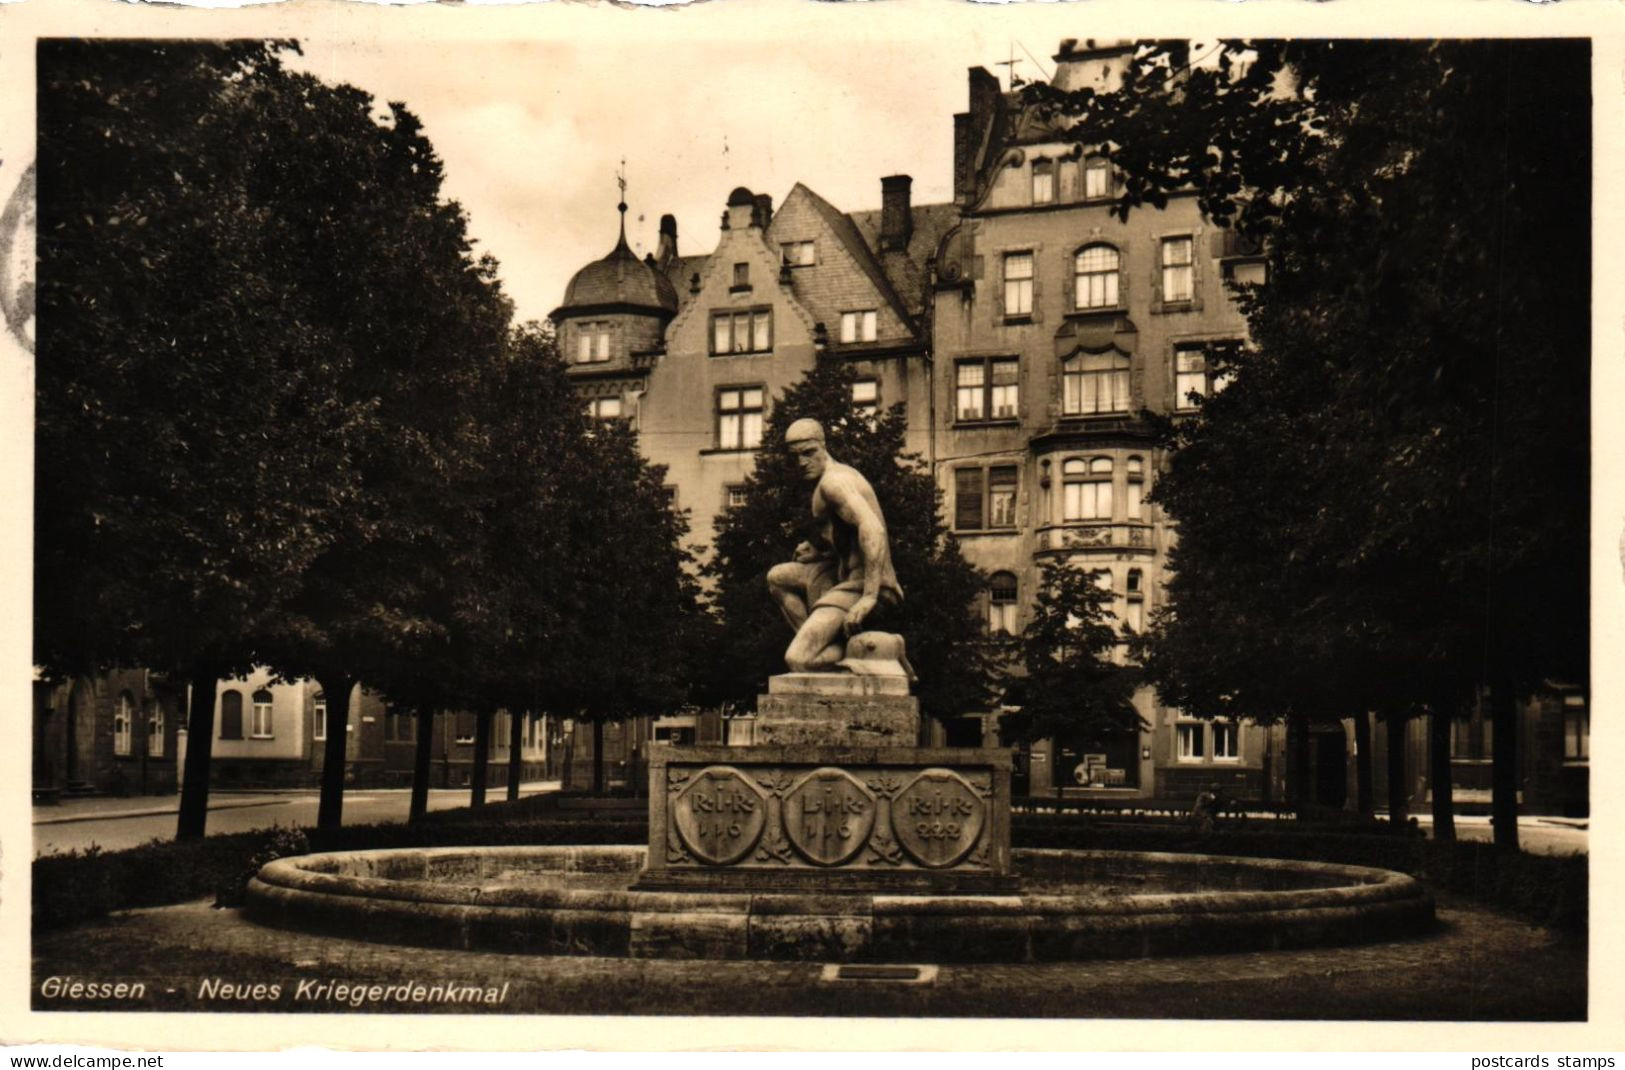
(1547, 890)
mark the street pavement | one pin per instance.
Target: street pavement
(1537, 835)
(114, 824)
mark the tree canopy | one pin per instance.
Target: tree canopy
(1389, 501)
(936, 618)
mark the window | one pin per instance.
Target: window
(592, 343)
(1190, 740)
(1134, 609)
(1018, 284)
(741, 277)
(155, 730)
(858, 326)
(123, 719)
(466, 727)
(1576, 729)
(1001, 497)
(1246, 272)
(1086, 489)
(1096, 275)
(318, 711)
(985, 498)
(1178, 270)
(1043, 181)
(604, 408)
(399, 726)
(1226, 741)
(231, 715)
(798, 253)
(866, 398)
(1001, 604)
(739, 418)
(735, 493)
(1097, 178)
(1095, 383)
(1136, 492)
(750, 331)
(259, 725)
(1194, 375)
(986, 390)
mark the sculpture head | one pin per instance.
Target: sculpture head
(805, 439)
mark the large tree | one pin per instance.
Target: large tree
(937, 616)
(1421, 345)
(191, 453)
(1070, 685)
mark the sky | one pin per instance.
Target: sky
(533, 133)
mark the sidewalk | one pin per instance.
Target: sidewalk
(107, 808)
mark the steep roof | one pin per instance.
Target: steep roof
(906, 269)
(850, 236)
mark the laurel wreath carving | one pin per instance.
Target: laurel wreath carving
(775, 782)
(775, 848)
(885, 785)
(883, 850)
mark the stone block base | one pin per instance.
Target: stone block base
(837, 709)
(818, 819)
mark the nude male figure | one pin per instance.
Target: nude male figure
(825, 596)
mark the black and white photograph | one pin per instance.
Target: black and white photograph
(927, 514)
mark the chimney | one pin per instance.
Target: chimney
(896, 216)
(666, 250)
(764, 210)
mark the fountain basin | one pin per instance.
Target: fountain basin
(1073, 905)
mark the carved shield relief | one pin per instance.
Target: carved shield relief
(828, 816)
(938, 818)
(719, 815)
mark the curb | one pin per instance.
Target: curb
(151, 812)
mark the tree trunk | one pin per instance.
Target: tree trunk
(421, 766)
(1398, 797)
(336, 687)
(1439, 776)
(1504, 766)
(1362, 764)
(597, 756)
(516, 760)
(1297, 779)
(194, 812)
(482, 757)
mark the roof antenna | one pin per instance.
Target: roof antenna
(1010, 75)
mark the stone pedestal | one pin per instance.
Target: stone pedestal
(837, 709)
(836, 797)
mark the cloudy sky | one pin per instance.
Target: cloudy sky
(532, 133)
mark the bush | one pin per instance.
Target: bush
(281, 843)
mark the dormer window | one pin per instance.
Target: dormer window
(1043, 181)
(858, 326)
(799, 253)
(1097, 178)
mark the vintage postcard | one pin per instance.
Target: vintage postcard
(784, 525)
